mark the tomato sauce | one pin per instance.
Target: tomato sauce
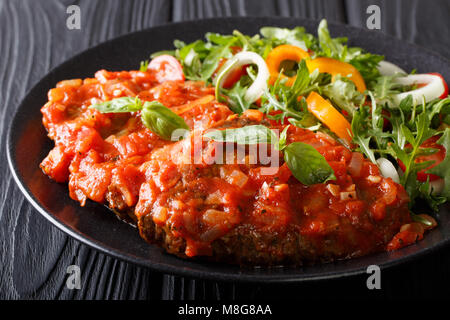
(114, 159)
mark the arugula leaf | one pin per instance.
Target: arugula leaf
(384, 88)
(433, 200)
(377, 123)
(343, 93)
(245, 135)
(154, 115)
(236, 95)
(443, 169)
(297, 36)
(330, 47)
(307, 164)
(366, 63)
(211, 62)
(290, 100)
(422, 131)
(308, 122)
(360, 131)
(124, 104)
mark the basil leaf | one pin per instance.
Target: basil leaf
(246, 135)
(307, 164)
(125, 104)
(154, 115)
(161, 120)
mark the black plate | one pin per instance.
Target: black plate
(96, 226)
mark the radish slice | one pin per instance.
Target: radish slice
(433, 89)
(243, 58)
(389, 69)
(388, 170)
(437, 186)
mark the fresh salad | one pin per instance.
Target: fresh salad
(398, 120)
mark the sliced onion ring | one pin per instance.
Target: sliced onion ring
(433, 89)
(388, 170)
(389, 69)
(243, 58)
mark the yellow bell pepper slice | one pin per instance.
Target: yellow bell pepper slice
(335, 67)
(324, 111)
(280, 54)
(325, 65)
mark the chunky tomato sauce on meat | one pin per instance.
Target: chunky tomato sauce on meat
(229, 211)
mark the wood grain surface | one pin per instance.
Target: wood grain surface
(34, 255)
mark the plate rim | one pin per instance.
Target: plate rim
(177, 270)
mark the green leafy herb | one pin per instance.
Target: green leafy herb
(118, 105)
(343, 93)
(333, 48)
(360, 131)
(290, 100)
(297, 36)
(154, 115)
(161, 120)
(407, 156)
(430, 196)
(307, 164)
(384, 88)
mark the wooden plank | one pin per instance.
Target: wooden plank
(422, 22)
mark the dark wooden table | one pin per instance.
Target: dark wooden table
(34, 254)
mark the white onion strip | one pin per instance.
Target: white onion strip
(433, 89)
(259, 85)
(389, 69)
(388, 170)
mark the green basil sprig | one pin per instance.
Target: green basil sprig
(161, 120)
(154, 115)
(306, 163)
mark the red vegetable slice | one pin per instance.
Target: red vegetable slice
(445, 94)
(166, 68)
